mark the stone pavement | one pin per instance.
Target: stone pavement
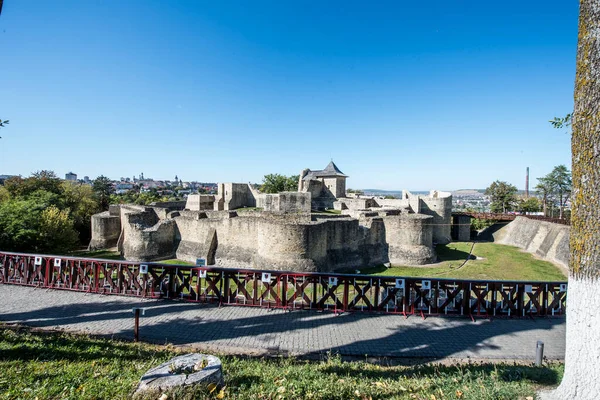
(250, 330)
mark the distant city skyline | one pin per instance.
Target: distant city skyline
(436, 95)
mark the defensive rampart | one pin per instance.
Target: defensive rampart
(546, 240)
(106, 228)
(277, 241)
(437, 204)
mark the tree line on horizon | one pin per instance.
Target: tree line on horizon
(45, 214)
(554, 190)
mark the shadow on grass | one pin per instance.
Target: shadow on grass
(244, 380)
(103, 254)
(26, 344)
(505, 372)
(31, 345)
(447, 253)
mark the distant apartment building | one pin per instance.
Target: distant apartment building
(71, 177)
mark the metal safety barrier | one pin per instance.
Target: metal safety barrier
(287, 290)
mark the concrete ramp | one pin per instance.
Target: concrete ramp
(546, 240)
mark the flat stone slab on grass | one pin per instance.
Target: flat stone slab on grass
(189, 372)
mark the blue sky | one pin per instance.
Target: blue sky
(416, 95)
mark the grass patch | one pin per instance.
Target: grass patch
(335, 212)
(245, 209)
(175, 262)
(59, 365)
(115, 255)
(497, 262)
(103, 254)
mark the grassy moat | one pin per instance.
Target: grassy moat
(488, 261)
(50, 365)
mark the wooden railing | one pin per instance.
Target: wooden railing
(288, 290)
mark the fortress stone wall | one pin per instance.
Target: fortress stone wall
(106, 229)
(437, 204)
(263, 240)
(278, 231)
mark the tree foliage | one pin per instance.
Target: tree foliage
(39, 180)
(80, 201)
(103, 188)
(555, 188)
(564, 122)
(275, 183)
(544, 188)
(134, 197)
(503, 196)
(36, 224)
(42, 213)
(531, 204)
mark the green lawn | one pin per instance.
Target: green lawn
(103, 254)
(497, 262)
(40, 366)
(245, 209)
(494, 262)
(175, 262)
(115, 255)
(335, 212)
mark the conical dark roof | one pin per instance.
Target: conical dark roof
(330, 170)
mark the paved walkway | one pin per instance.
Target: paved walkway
(248, 330)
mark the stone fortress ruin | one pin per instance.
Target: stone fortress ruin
(241, 227)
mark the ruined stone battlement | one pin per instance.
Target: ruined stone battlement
(278, 231)
(264, 240)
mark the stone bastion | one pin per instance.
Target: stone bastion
(267, 240)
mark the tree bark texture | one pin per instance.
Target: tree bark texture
(582, 357)
(585, 145)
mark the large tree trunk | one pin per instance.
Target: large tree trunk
(545, 206)
(560, 214)
(582, 358)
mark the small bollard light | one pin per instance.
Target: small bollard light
(136, 324)
(539, 353)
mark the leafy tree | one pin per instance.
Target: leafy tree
(103, 188)
(292, 183)
(57, 232)
(561, 183)
(531, 204)
(80, 200)
(4, 194)
(42, 213)
(141, 198)
(39, 180)
(36, 224)
(275, 183)
(503, 196)
(544, 188)
(19, 225)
